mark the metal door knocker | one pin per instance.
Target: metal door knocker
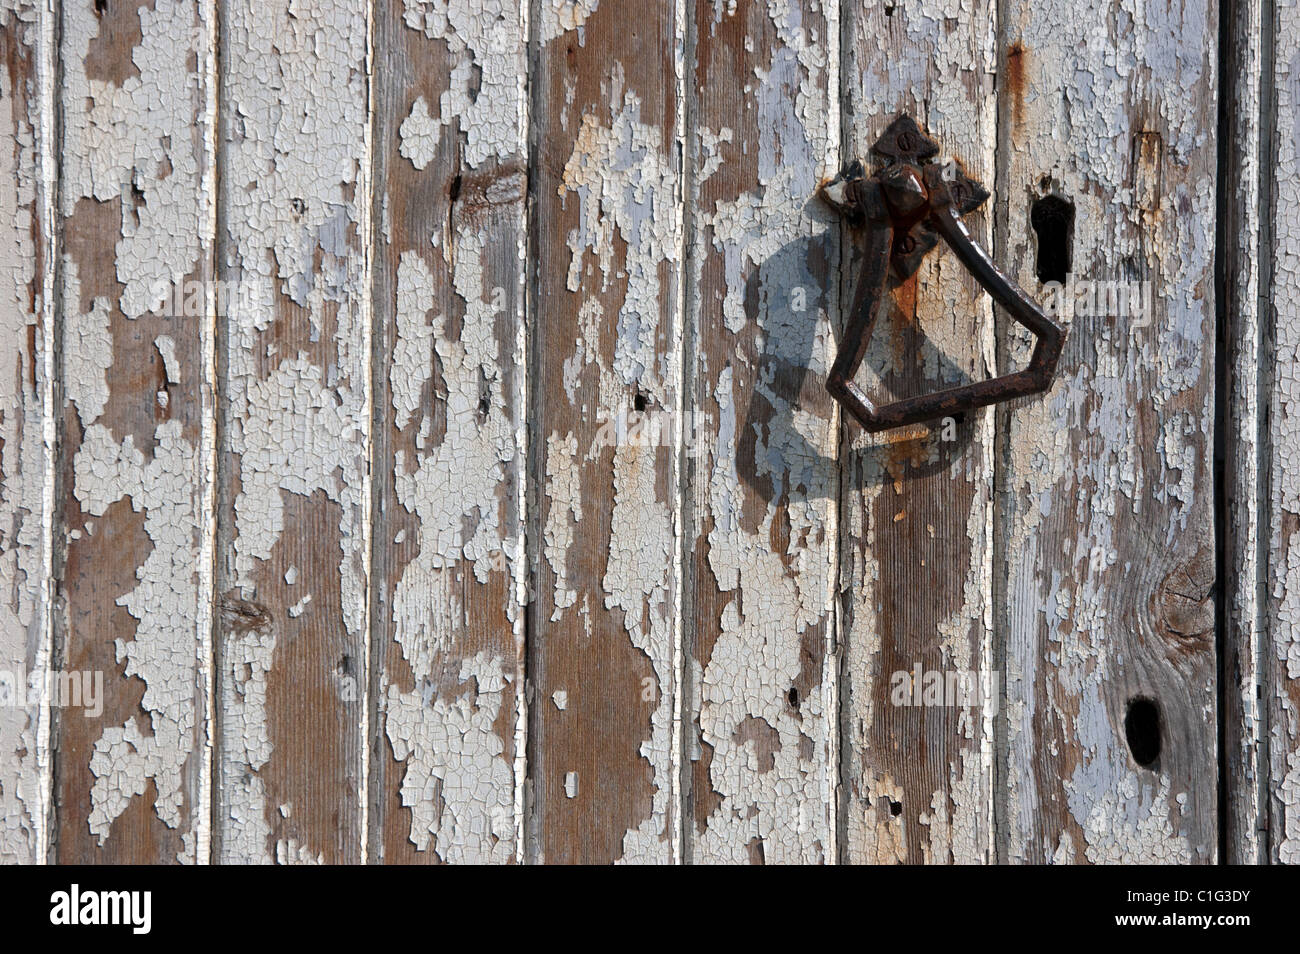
(902, 211)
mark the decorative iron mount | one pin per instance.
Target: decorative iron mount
(902, 211)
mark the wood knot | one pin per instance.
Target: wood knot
(243, 616)
(1183, 604)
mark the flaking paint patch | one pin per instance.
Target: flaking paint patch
(132, 142)
(484, 85)
(454, 489)
(565, 513)
(87, 348)
(459, 784)
(777, 797)
(126, 757)
(560, 16)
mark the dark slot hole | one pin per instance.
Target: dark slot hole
(454, 192)
(1142, 729)
(1052, 218)
(895, 808)
(794, 697)
(639, 402)
(101, 6)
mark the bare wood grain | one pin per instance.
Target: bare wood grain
(450, 443)
(605, 624)
(296, 414)
(1107, 519)
(916, 506)
(136, 195)
(27, 420)
(762, 435)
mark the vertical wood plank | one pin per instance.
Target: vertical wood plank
(26, 422)
(296, 377)
(1240, 268)
(1107, 512)
(1281, 689)
(137, 207)
(605, 628)
(762, 434)
(916, 511)
(449, 570)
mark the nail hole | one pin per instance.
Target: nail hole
(1142, 729)
(895, 808)
(1052, 218)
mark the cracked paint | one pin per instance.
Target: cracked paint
(137, 138)
(610, 204)
(452, 693)
(764, 696)
(26, 421)
(1108, 477)
(1281, 697)
(297, 381)
(918, 515)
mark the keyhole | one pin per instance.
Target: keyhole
(1142, 729)
(1052, 218)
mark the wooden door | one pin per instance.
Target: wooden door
(414, 444)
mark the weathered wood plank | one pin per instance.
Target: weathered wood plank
(138, 431)
(762, 434)
(296, 378)
(27, 421)
(450, 451)
(916, 506)
(1281, 688)
(1240, 267)
(1107, 515)
(605, 623)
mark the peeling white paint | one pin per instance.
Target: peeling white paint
(628, 195)
(133, 142)
(940, 71)
(26, 421)
(1108, 474)
(458, 784)
(558, 17)
(1282, 695)
(295, 193)
(765, 711)
(457, 388)
(484, 93)
(136, 143)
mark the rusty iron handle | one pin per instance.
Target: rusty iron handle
(904, 209)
